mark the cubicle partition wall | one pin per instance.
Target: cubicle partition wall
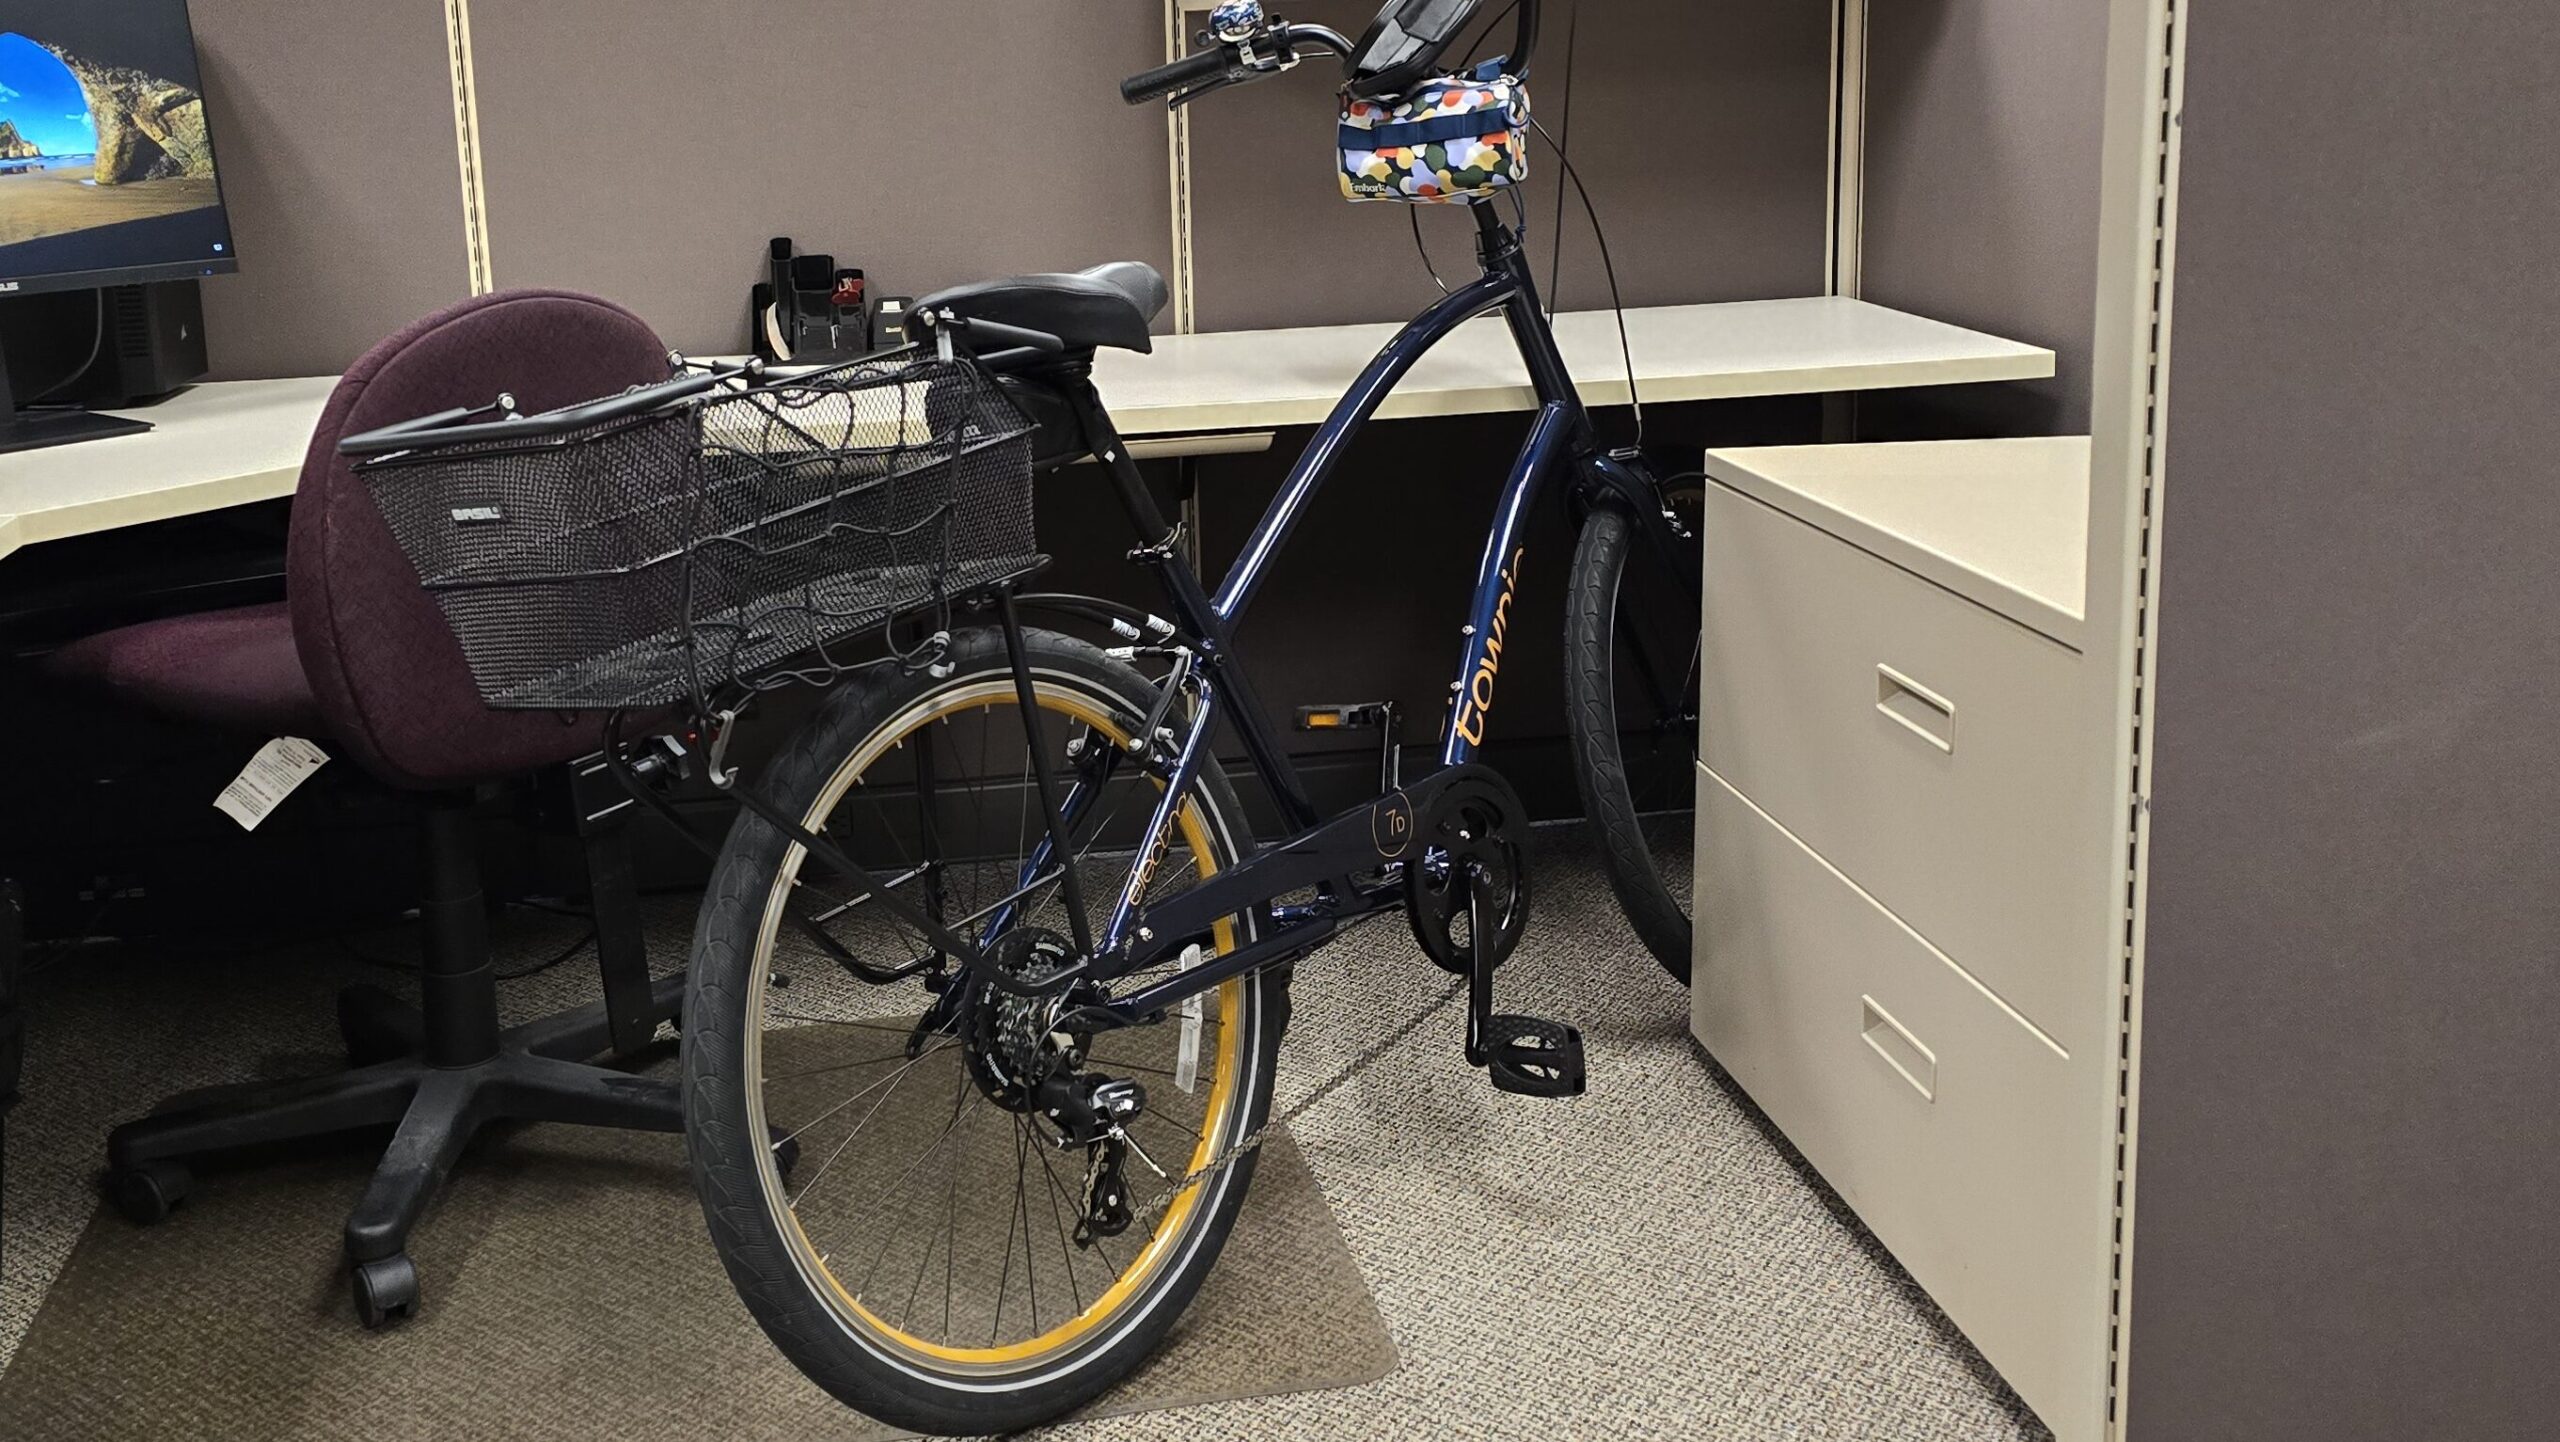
(2347, 1163)
(336, 129)
(1980, 196)
(1700, 130)
(648, 151)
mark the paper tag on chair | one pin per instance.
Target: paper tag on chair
(1186, 1060)
(270, 777)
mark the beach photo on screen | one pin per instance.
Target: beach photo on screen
(106, 157)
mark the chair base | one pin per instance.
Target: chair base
(538, 1072)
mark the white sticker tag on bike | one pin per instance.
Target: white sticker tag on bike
(280, 765)
(1186, 1061)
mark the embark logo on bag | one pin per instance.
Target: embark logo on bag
(1455, 138)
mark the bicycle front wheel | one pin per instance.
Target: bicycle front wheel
(881, 1175)
(1631, 706)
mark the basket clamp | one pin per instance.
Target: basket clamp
(1167, 548)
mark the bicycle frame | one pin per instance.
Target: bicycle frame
(1560, 442)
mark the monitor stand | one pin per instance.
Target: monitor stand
(33, 429)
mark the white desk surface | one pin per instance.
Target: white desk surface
(1237, 379)
(234, 442)
(2001, 522)
(218, 445)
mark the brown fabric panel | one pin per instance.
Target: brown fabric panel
(1982, 141)
(2345, 1227)
(647, 151)
(1699, 129)
(333, 129)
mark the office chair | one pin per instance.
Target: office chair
(359, 658)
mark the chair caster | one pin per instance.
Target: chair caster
(147, 1193)
(786, 1155)
(386, 1291)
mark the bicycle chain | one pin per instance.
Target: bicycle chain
(1252, 1141)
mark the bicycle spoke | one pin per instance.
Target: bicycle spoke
(1004, 1278)
(837, 1067)
(890, 1081)
(840, 1021)
(1022, 1205)
(881, 1142)
(1058, 1215)
(959, 1101)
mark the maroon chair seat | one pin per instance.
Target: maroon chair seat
(234, 669)
(359, 658)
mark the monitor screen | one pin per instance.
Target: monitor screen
(106, 162)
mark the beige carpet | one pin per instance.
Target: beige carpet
(1650, 1261)
(571, 1291)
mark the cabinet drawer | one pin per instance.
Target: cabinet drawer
(1977, 1152)
(1926, 746)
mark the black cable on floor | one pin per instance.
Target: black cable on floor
(581, 944)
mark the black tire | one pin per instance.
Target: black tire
(866, 1361)
(1593, 655)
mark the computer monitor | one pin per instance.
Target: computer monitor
(107, 171)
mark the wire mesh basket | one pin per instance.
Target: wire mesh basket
(642, 559)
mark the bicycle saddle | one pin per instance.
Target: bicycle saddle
(1108, 305)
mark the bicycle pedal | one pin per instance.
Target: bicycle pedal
(1368, 716)
(1378, 716)
(1531, 1057)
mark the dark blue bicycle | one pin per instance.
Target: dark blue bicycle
(989, 985)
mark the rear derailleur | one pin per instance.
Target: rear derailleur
(1026, 1064)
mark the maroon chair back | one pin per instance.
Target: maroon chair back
(389, 674)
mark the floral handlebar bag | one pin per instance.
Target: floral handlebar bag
(1459, 137)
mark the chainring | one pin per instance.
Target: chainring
(1473, 828)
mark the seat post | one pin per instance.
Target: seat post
(458, 983)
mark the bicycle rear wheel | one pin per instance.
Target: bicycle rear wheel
(936, 1255)
(1631, 705)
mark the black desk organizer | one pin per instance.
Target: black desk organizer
(808, 310)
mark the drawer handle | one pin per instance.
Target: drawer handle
(1930, 716)
(1900, 1049)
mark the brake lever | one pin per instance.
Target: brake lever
(1182, 98)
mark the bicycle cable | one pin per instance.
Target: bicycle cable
(1414, 214)
(1599, 233)
(1609, 268)
(1555, 263)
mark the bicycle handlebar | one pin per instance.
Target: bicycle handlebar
(1267, 53)
(1182, 74)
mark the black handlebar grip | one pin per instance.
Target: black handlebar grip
(1182, 74)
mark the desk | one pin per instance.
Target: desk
(234, 442)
